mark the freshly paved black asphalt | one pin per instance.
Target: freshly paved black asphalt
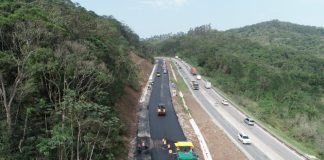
(163, 126)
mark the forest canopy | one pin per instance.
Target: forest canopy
(62, 70)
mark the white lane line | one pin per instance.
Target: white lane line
(262, 129)
(237, 124)
(201, 139)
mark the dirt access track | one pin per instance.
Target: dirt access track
(220, 146)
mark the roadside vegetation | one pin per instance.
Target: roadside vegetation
(281, 84)
(180, 83)
(62, 70)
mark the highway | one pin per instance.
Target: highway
(167, 126)
(230, 119)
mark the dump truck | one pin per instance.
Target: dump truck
(193, 71)
(184, 151)
(194, 85)
(161, 110)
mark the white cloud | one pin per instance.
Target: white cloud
(164, 3)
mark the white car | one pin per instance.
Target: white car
(245, 139)
(249, 121)
(207, 85)
(198, 77)
(225, 102)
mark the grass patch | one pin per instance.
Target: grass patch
(181, 85)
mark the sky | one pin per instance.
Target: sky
(155, 17)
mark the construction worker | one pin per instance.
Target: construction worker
(164, 143)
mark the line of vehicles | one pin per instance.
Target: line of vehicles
(242, 137)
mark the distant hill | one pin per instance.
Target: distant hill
(299, 37)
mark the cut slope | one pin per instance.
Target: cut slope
(127, 105)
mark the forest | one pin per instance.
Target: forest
(274, 70)
(62, 69)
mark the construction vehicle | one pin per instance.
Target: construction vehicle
(193, 71)
(184, 151)
(161, 110)
(143, 145)
(158, 74)
(194, 85)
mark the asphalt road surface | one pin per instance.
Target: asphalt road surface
(264, 145)
(167, 126)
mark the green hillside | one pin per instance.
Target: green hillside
(301, 38)
(62, 69)
(278, 84)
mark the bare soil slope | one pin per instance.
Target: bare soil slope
(128, 103)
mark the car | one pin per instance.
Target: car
(198, 77)
(207, 85)
(158, 74)
(249, 121)
(225, 102)
(245, 139)
(165, 71)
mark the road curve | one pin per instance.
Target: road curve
(264, 145)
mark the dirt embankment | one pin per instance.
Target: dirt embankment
(128, 103)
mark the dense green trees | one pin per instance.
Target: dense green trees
(279, 83)
(62, 68)
(296, 37)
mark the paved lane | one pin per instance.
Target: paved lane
(163, 126)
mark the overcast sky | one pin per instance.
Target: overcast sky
(153, 17)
